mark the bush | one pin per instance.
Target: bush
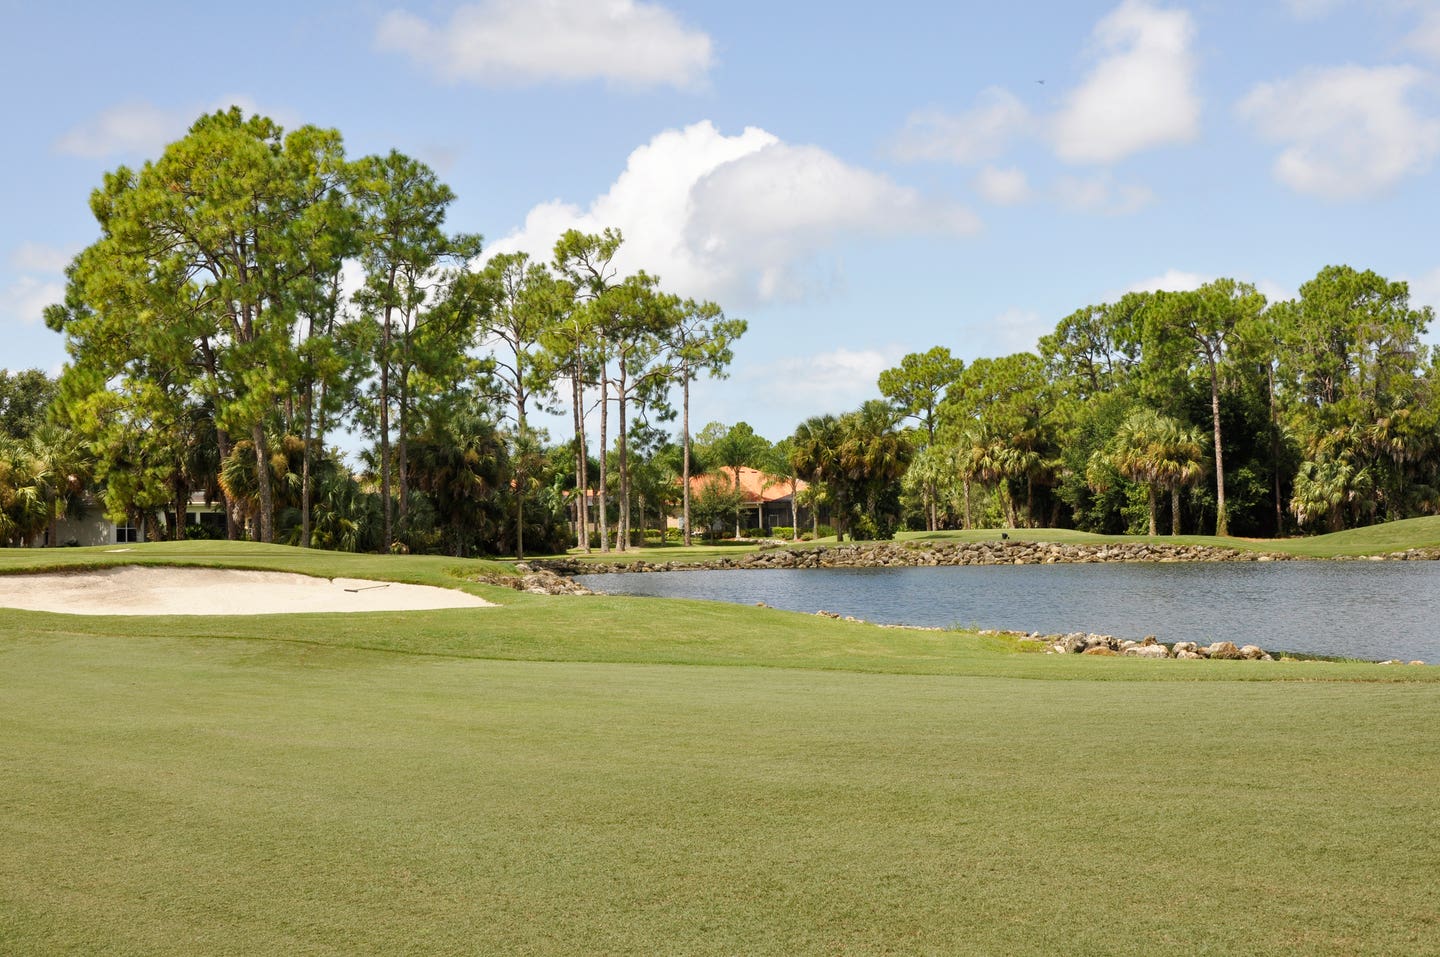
(653, 536)
(194, 531)
(825, 531)
(673, 536)
(806, 536)
(782, 531)
(754, 533)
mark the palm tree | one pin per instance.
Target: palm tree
(1324, 489)
(1135, 453)
(1180, 461)
(25, 483)
(1158, 452)
(874, 455)
(816, 456)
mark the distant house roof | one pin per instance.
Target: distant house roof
(755, 485)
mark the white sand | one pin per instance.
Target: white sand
(135, 590)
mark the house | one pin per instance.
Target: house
(90, 526)
(768, 499)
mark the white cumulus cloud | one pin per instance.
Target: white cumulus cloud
(979, 134)
(1006, 186)
(1171, 280)
(743, 217)
(138, 128)
(514, 42)
(1346, 132)
(1141, 92)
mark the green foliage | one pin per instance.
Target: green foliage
(918, 383)
(25, 398)
(718, 501)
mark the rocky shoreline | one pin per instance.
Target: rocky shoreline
(554, 576)
(919, 554)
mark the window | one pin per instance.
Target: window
(126, 533)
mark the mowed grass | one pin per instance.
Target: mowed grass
(631, 776)
(1373, 540)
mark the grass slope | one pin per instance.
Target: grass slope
(1373, 540)
(334, 784)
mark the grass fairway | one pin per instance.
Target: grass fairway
(630, 776)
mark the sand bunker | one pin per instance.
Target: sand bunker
(135, 590)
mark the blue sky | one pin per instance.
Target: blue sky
(859, 181)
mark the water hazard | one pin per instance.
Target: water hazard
(1372, 610)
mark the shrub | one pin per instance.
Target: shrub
(754, 533)
(825, 531)
(674, 536)
(782, 531)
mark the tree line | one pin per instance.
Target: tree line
(253, 293)
(1234, 414)
(1208, 410)
(214, 346)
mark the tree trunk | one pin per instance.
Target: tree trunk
(965, 484)
(582, 465)
(1275, 449)
(794, 512)
(403, 506)
(222, 441)
(520, 484)
(1222, 519)
(262, 482)
(1150, 491)
(604, 519)
(622, 536)
(1175, 509)
(385, 423)
(182, 510)
(742, 504)
(305, 472)
(685, 468)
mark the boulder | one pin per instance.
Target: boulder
(1146, 651)
(1101, 651)
(1224, 650)
(1252, 652)
(1190, 655)
(1186, 646)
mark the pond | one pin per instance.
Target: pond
(1362, 609)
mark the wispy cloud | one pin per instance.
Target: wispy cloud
(517, 42)
(140, 128)
(1346, 132)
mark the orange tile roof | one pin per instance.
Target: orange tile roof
(755, 485)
